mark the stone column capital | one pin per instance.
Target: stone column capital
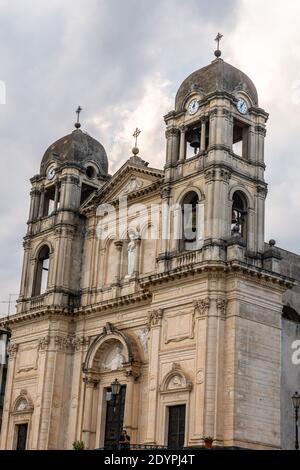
(154, 317)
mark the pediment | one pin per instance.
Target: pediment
(128, 181)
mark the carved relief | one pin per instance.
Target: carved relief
(154, 317)
(221, 307)
(43, 342)
(133, 185)
(202, 306)
(175, 381)
(80, 342)
(62, 343)
(12, 349)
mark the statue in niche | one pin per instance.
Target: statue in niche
(131, 249)
(114, 360)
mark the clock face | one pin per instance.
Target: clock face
(193, 106)
(242, 106)
(51, 173)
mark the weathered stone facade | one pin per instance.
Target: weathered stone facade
(194, 323)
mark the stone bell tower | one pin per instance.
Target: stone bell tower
(40, 367)
(71, 169)
(217, 130)
(215, 163)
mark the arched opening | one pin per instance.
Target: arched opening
(190, 221)
(239, 215)
(40, 283)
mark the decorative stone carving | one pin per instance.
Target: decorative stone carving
(165, 192)
(221, 307)
(43, 342)
(225, 175)
(261, 130)
(133, 185)
(154, 317)
(91, 381)
(172, 132)
(63, 342)
(80, 342)
(175, 381)
(12, 349)
(210, 174)
(202, 306)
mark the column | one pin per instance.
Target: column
(172, 136)
(119, 245)
(24, 291)
(203, 134)
(261, 133)
(137, 257)
(182, 149)
(56, 196)
(155, 319)
(34, 204)
(165, 222)
(42, 202)
(90, 385)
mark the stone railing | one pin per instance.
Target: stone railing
(38, 301)
(186, 259)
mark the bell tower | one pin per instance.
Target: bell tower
(217, 132)
(72, 168)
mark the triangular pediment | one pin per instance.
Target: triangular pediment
(134, 176)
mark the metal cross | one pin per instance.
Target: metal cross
(136, 134)
(78, 111)
(218, 39)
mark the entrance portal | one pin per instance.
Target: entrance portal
(176, 427)
(114, 419)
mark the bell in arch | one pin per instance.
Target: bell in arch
(194, 139)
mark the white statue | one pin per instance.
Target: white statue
(131, 256)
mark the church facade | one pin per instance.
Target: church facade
(149, 299)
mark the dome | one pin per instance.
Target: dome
(217, 76)
(78, 148)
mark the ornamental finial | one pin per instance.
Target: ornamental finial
(77, 123)
(218, 39)
(135, 149)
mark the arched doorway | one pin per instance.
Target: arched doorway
(112, 356)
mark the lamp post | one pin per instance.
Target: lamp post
(115, 390)
(296, 403)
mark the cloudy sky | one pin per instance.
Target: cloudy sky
(122, 61)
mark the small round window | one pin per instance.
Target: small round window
(90, 172)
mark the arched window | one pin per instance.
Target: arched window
(190, 223)
(42, 271)
(239, 215)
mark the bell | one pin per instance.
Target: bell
(194, 140)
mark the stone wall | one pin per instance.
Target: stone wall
(290, 266)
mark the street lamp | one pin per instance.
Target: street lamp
(296, 403)
(115, 387)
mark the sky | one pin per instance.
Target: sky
(123, 61)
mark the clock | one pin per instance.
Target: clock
(51, 173)
(242, 106)
(193, 106)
